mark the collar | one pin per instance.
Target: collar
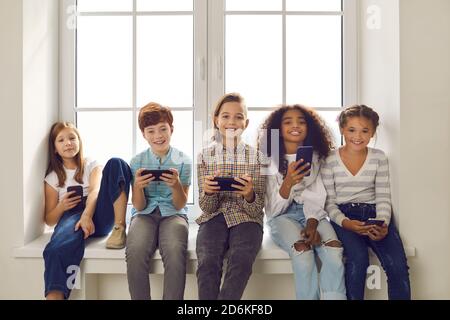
(157, 157)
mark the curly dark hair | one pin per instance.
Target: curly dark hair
(319, 136)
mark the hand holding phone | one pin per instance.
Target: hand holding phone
(225, 183)
(74, 201)
(375, 222)
(305, 153)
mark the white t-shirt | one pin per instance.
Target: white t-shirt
(52, 179)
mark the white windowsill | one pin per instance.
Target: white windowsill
(98, 259)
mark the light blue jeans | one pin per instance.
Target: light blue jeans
(285, 231)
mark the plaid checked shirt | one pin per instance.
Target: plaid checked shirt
(244, 159)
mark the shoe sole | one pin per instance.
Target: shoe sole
(114, 247)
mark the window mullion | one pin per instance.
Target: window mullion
(134, 81)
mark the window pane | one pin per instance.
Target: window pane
(254, 5)
(256, 118)
(104, 5)
(165, 60)
(330, 118)
(253, 66)
(104, 62)
(313, 60)
(182, 139)
(313, 5)
(106, 134)
(164, 5)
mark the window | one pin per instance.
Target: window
(187, 53)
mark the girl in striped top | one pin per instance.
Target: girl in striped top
(356, 178)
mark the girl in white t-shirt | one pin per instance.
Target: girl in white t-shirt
(93, 211)
(295, 200)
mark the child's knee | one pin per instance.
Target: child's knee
(300, 246)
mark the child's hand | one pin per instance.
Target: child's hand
(378, 233)
(357, 226)
(172, 180)
(209, 185)
(87, 225)
(310, 234)
(247, 189)
(140, 182)
(68, 203)
(293, 175)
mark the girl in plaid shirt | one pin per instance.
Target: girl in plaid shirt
(231, 220)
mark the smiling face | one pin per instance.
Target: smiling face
(158, 137)
(357, 133)
(294, 128)
(67, 144)
(231, 120)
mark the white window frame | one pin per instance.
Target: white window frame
(209, 67)
(216, 52)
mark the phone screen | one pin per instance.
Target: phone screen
(305, 153)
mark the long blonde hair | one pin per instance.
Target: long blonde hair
(55, 162)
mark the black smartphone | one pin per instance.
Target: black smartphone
(156, 173)
(305, 153)
(78, 191)
(374, 222)
(225, 183)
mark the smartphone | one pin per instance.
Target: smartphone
(305, 153)
(78, 191)
(225, 183)
(156, 173)
(374, 222)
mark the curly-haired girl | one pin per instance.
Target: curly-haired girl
(295, 199)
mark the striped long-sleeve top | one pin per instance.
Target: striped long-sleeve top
(369, 185)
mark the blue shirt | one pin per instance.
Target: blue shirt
(157, 193)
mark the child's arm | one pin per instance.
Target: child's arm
(140, 182)
(85, 222)
(331, 207)
(293, 177)
(275, 204)
(252, 199)
(179, 192)
(383, 190)
(54, 209)
(94, 186)
(208, 202)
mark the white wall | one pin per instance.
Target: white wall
(425, 154)
(28, 100)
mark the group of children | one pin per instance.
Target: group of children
(322, 208)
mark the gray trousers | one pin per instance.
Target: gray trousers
(146, 233)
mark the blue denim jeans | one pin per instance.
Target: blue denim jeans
(389, 251)
(214, 239)
(285, 231)
(64, 252)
